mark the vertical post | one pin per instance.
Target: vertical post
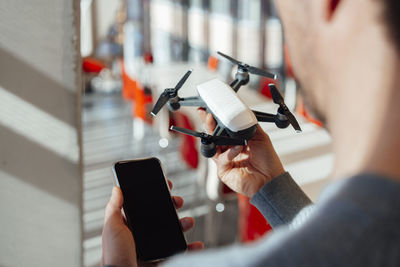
(40, 134)
(146, 26)
(185, 34)
(206, 7)
(234, 14)
(264, 16)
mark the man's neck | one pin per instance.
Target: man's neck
(365, 118)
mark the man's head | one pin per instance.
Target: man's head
(330, 41)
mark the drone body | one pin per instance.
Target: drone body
(231, 113)
(236, 122)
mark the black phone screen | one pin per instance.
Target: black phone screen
(149, 209)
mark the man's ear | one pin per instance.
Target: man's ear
(331, 8)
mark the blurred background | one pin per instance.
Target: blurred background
(78, 80)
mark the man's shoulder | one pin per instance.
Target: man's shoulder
(364, 193)
(355, 223)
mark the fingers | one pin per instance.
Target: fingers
(170, 185)
(178, 201)
(210, 124)
(226, 157)
(202, 114)
(195, 246)
(187, 223)
(114, 205)
(260, 135)
(208, 120)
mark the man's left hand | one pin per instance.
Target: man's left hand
(118, 244)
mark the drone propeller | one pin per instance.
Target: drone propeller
(206, 138)
(251, 69)
(278, 99)
(169, 93)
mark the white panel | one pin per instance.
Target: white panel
(167, 16)
(249, 41)
(86, 28)
(132, 49)
(221, 34)
(178, 13)
(196, 28)
(162, 16)
(273, 44)
(161, 47)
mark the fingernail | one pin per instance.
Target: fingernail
(186, 222)
(174, 200)
(237, 148)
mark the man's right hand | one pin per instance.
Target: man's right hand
(245, 169)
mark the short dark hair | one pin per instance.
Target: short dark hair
(392, 17)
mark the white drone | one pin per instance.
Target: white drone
(236, 122)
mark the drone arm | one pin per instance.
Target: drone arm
(194, 101)
(264, 117)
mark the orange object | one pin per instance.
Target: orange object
(133, 91)
(139, 103)
(212, 63)
(252, 224)
(128, 84)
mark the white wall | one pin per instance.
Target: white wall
(40, 174)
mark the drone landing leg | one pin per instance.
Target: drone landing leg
(236, 84)
(233, 83)
(217, 131)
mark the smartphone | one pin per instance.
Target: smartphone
(149, 209)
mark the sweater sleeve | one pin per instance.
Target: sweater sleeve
(280, 200)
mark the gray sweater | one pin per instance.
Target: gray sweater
(356, 222)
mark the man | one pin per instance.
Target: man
(346, 56)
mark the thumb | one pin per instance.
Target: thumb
(210, 123)
(114, 205)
